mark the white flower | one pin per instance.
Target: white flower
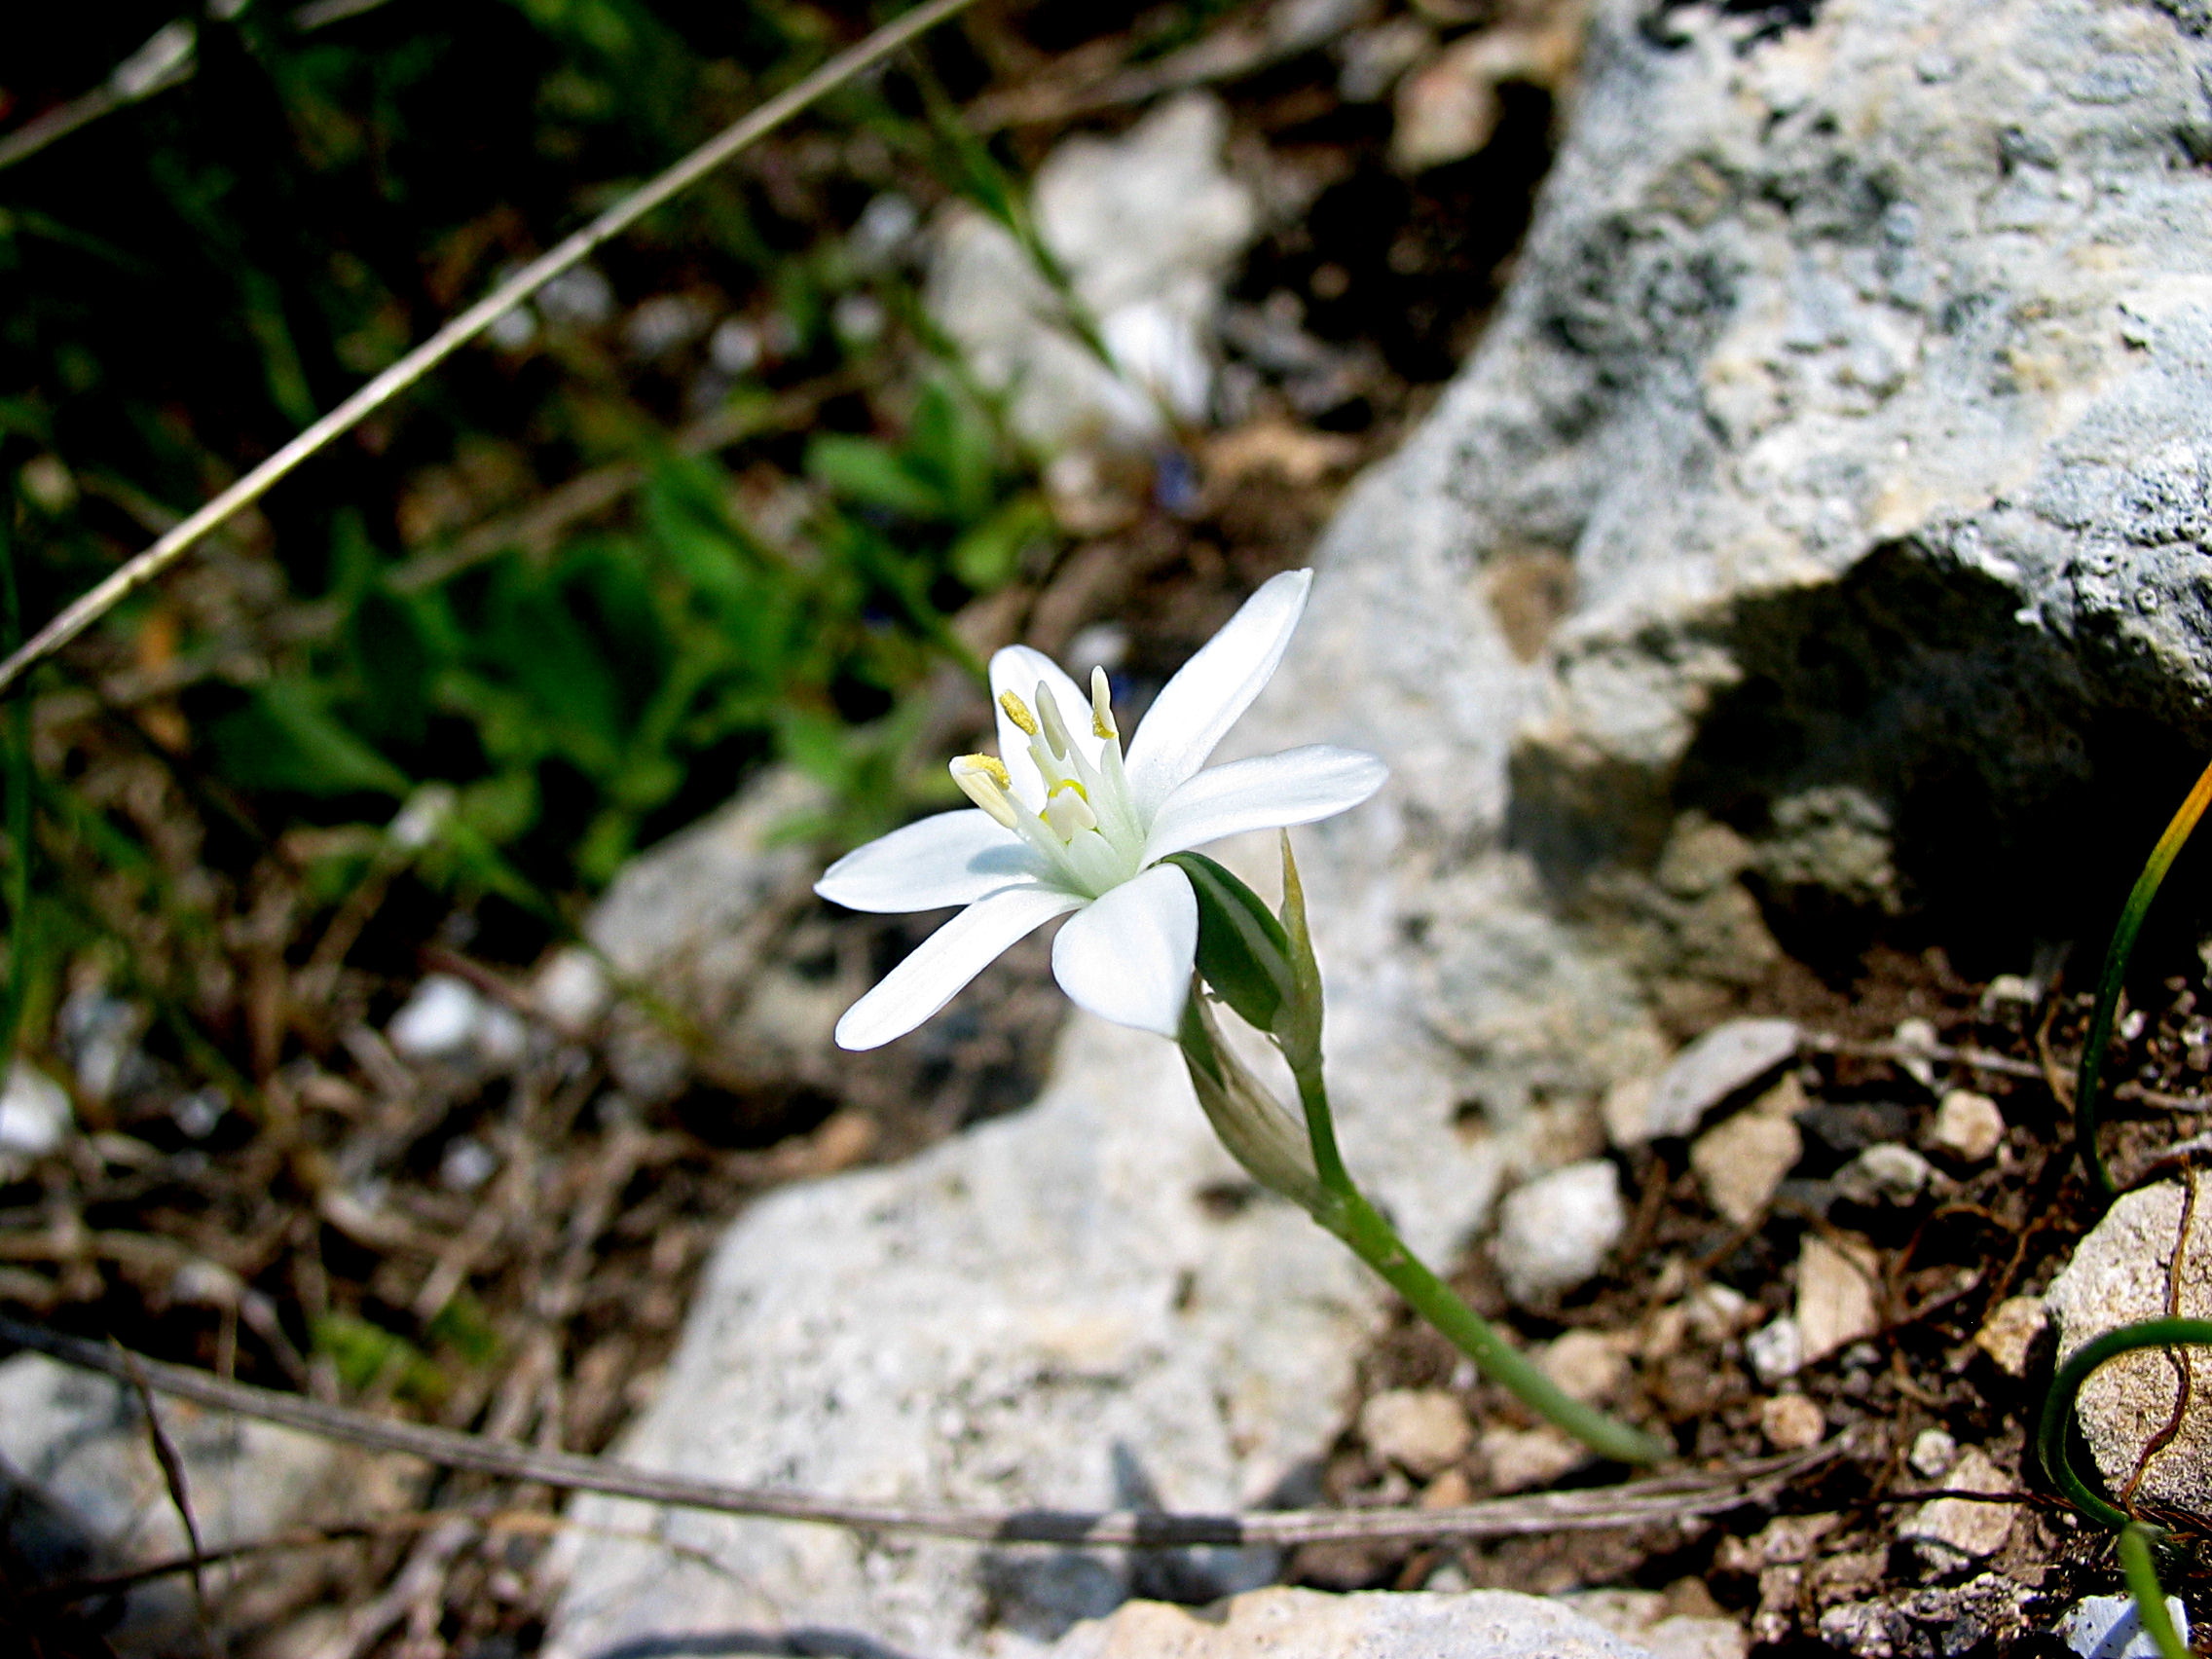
(1064, 822)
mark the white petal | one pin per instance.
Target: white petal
(1019, 668)
(1270, 792)
(1213, 688)
(952, 859)
(1127, 957)
(945, 961)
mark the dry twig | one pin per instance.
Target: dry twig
(1663, 1497)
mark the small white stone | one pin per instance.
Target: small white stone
(1727, 1059)
(1835, 1296)
(1792, 1423)
(466, 1166)
(2110, 1626)
(1519, 1458)
(1425, 1431)
(1884, 1174)
(1586, 1365)
(438, 1021)
(1741, 1161)
(1775, 1351)
(1948, 1531)
(1933, 1451)
(1553, 1235)
(1968, 1125)
(1917, 1038)
(2010, 1331)
(34, 1114)
(1715, 1312)
(572, 990)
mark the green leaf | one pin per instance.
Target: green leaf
(286, 738)
(1243, 952)
(864, 472)
(988, 555)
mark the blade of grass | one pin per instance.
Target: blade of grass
(2109, 984)
(90, 606)
(2058, 1405)
(2142, 1576)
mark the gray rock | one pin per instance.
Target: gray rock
(1553, 1235)
(1724, 1061)
(1306, 1624)
(81, 1490)
(1866, 409)
(1147, 227)
(36, 1118)
(2119, 1276)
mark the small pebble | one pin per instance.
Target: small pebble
(438, 1021)
(1917, 1038)
(1948, 1531)
(1452, 1489)
(1741, 1161)
(1884, 1174)
(1425, 1431)
(1792, 1423)
(1932, 1452)
(34, 1114)
(1835, 1296)
(1968, 1125)
(2010, 1331)
(1519, 1458)
(1587, 1366)
(1715, 1312)
(1775, 1351)
(1554, 1234)
(1728, 1058)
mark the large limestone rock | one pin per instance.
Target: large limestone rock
(1824, 508)
(1276, 1624)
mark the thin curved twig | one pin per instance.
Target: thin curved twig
(1662, 1499)
(89, 609)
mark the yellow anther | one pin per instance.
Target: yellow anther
(983, 780)
(1018, 713)
(1101, 707)
(990, 765)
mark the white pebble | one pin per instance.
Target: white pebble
(1968, 1125)
(438, 1021)
(1932, 1452)
(34, 1114)
(1775, 1351)
(1553, 1235)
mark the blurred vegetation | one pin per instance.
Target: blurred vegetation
(406, 672)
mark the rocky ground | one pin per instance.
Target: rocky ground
(1834, 1215)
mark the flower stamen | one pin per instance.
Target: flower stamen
(983, 780)
(1102, 708)
(1056, 728)
(1018, 713)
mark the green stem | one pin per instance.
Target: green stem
(1372, 1239)
(2114, 977)
(2058, 1405)
(2142, 1576)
